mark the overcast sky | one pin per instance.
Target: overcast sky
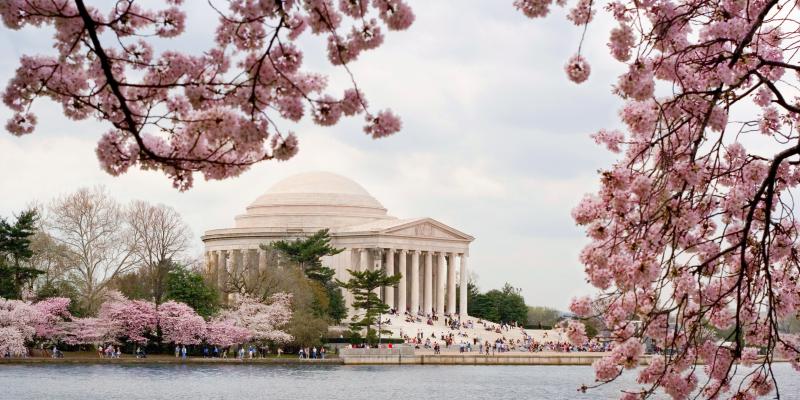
(495, 139)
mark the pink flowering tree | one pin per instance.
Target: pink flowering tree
(134, 320)
(18, 321)
(91, 331)
(180, 324)
(693, 232)
(225, 333)
(262, 320)
(216, 112)
(51, 315)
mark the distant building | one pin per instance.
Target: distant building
(430, 255)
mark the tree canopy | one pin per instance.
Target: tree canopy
(189, 287)
(505, 305)
(16, 272)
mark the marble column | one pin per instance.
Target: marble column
(222, 271)
(236, 264)
(364, 260)
(252, 266)
(401, 286)
(462, 308)
(212, 267)
(354, 253)
(262, 261)
(354, 264)
(451, 284)
(414, 281)
(427, 300)
(388, 291)
(377, 261)
(440, 283)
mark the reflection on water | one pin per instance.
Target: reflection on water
(179, 382)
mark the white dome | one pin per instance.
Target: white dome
(312, 200)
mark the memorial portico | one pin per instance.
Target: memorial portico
(431, 257)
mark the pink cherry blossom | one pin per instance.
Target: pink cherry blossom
(578, 69)
(18, 321)
(226, 333)
(180, 324)
(216, 110)
(51, 315)
(133, 320)
(262, 320)
(576, 333)
(384, 124)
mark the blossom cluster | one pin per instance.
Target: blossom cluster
(213, 112)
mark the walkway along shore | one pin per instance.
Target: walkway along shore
(170, 360)
(348, 357)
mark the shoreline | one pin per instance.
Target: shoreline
(521, 359)
(408, 358)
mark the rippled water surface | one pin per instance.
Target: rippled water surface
(179, 382)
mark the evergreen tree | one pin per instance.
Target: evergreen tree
(188, 287)
(15, 254)
(362, 285)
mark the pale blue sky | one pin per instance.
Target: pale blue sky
(495, 139)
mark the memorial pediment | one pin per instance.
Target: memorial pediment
(427, 228)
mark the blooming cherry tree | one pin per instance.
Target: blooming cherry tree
(17, 326)
(132, 319)
(225, 333)
(51, 314)
(180, 324)
(89, 331)
(215, 112)
(262, 320)
(694, 227)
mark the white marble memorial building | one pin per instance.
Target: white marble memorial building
(430, 255)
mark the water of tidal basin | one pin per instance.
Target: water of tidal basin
(222, 382)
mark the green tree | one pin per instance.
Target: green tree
(307, 253)
(505, 305)
(362, 285)
(15, 254)
(307, 329)
(188, 287)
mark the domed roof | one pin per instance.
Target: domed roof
(317, 188)
(332, 200)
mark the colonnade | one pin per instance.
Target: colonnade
(428, 278)
(427, 284)
(227, 267)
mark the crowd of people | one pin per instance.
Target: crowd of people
(457, 337)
